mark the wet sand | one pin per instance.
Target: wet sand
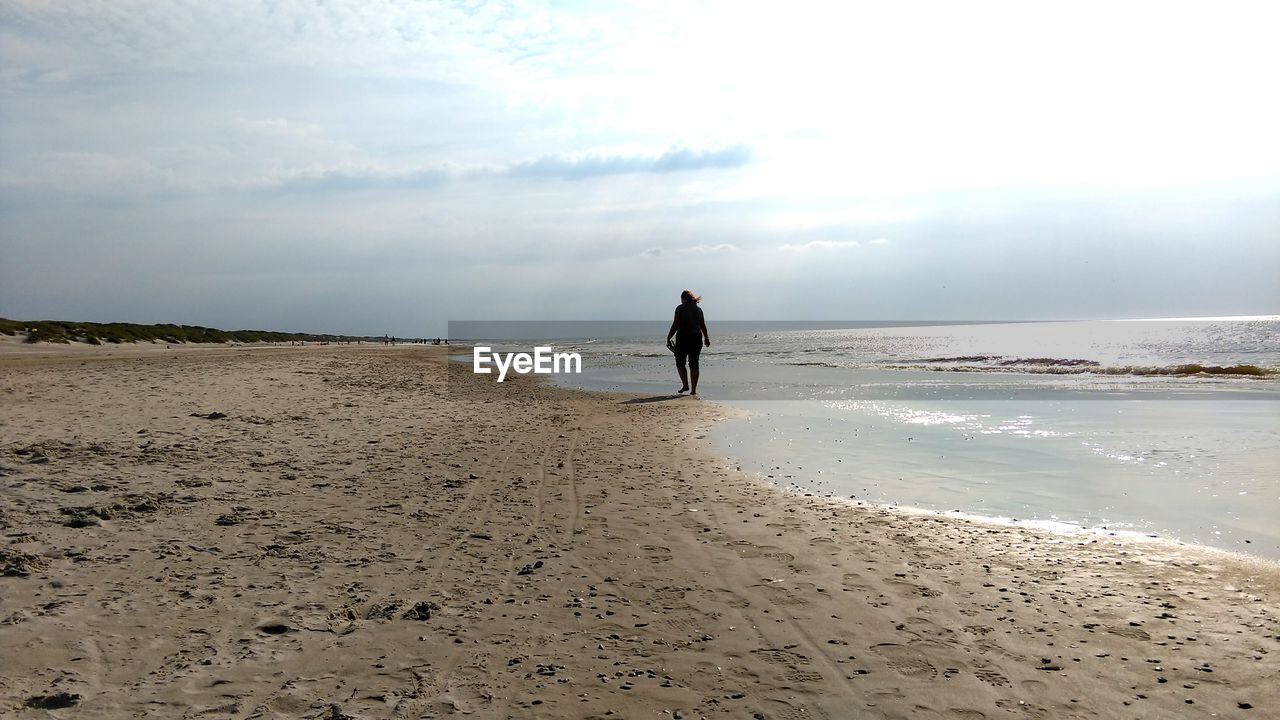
(343, 532)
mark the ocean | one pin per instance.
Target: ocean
(1166, 428)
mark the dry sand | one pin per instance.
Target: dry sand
(342, 532)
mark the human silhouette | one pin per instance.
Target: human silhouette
(690, 331)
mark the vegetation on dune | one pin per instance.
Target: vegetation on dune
(61, 331)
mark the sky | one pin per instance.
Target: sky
(385, 166)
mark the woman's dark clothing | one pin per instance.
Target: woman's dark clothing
(688, 334)
(689, 354)
(689, 324)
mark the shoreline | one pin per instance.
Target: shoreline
(559, 555)
(1048, 528)
(945, 474)
(1055, 527)
(1030, 463)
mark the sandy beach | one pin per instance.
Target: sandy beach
(351, 532)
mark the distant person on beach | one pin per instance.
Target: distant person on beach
(690, 331)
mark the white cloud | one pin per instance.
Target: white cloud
(819, 245)
(692, 250)
(670, 161)
(273, 154)
(274, 127)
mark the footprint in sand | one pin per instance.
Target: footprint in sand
(657, 553)
(682, 616)
(689, 523)
(803, 676)
(910, 589)
(1133, 633)
(464, 696)
(990, 677)
(683, 624)
(781, 657)
(783, 597)
(792, 712)
(1034, 712)
(853, 581)
(667, 595)
(905, 660)
(736, 671)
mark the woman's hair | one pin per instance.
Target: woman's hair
(688, 296)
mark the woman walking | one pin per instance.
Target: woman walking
(690, 331)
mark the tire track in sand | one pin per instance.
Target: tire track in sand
(797, 634)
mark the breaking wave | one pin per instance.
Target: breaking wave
(1054, 366)
(1060, 366)
(1003, 361)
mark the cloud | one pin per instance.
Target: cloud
(685, 159)
(295, 143)
(400, 37)
(335, 181)
(674, 160)
(692, 250)
(106, 174)
(275, 127)
(821, 245)
(557, 167)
